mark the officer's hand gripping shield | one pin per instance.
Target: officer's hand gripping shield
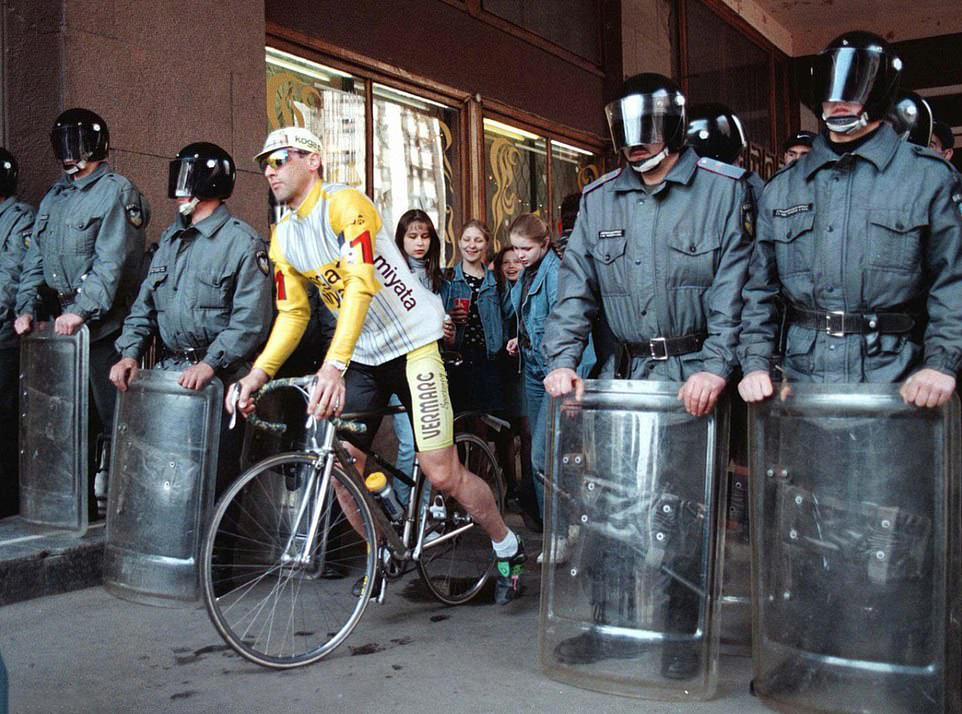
(53, 427)
(163, 474)
(637, 485)
(856, 560)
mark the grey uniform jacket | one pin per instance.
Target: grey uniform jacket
(668, 264)
(88, 245)
(878, 228)
(16, 224)
(208, 287)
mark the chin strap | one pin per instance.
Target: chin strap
(651, 163)
(846, 124)
(71, 169)
(187, 208)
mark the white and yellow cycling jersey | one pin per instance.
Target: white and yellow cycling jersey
(335, 240)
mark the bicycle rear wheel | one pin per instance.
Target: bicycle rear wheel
(273, 600)
(457, 557)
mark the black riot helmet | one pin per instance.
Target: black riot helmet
(202, 171)
(8, 173)
(858, 68)
(715, 132)
(79, 136)
(911, 117)
(651, 110)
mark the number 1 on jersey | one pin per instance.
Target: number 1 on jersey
(367, 248)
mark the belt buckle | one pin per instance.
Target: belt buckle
(839, 331)
(663, 341)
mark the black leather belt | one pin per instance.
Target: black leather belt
(661, 348)
(193, 355)
(838, 323)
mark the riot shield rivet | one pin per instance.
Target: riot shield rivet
(574, 572)
(786, 595)
(172, 464)
(166, 484)
(770, 473)
(784, 473)
(872, 324)
(584, 518)
(564, 459)
(886, 523)
(577, 459)
(798, 500)
(880, 555)
(591, 485)
(793, 534)
(659, 536)
(666, 508)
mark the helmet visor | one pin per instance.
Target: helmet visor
(73, 143)
(644, 118)
(846, 74)
(180, 179)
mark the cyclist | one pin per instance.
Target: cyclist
(387, 330)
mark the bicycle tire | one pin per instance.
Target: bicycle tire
(455, 569)
(269, 609)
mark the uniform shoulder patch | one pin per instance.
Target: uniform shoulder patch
(135, 215)
(263, 263)
(601, 181)
(722, 169)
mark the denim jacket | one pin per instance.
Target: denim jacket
(489, 307)
(534, 310)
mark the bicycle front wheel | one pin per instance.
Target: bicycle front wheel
(277, 596)
(457, 557)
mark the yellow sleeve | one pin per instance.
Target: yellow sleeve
(293, 313)
(352, 215)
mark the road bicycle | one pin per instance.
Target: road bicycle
(297, 546)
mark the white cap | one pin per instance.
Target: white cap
(290, 137)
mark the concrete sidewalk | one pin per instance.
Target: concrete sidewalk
(87, 651)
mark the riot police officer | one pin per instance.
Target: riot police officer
(862, 240)
(716, 132)
(87, 246)
(207, 293)
(862, 237)
(658, 258)
(16, 223)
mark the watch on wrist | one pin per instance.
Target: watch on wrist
(338, 365)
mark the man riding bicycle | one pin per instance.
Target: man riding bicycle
(387, 329)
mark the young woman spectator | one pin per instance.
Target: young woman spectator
(418, 241)
(532, 297)
(471, 297)
(507, 269)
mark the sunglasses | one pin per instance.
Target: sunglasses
(278, 158)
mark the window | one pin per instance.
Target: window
(415, 156)
(329, 103)
(571, 170)
(516, 177)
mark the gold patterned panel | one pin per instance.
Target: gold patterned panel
(448, 234)
(504, 158)
(284, 90)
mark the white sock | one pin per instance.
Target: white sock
(506, 547)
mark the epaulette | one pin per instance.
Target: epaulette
(930, 154)
(721, 168)
(600, 181)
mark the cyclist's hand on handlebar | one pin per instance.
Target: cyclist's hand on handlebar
(254, 380)
(327, 396)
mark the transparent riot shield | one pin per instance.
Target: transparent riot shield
(53, 427)
(855, 537)
(637, 485)
(161, 488)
